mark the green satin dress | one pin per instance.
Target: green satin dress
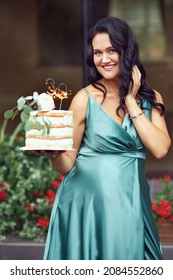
(102, 209)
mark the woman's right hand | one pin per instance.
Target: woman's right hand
(136, 76)
(52, 154)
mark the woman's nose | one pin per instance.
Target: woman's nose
(105, 57)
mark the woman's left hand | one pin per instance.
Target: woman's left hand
(133, 90)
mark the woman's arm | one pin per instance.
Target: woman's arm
(64, 161)
(154, 133)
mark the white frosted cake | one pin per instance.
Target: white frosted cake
(60, 135)
(45, 127)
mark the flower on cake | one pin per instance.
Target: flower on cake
(44, 101)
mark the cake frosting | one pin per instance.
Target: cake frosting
(60, 136)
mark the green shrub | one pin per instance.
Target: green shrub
(27, 188)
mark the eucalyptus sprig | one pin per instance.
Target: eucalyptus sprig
(28, 107)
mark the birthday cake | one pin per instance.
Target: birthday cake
(45, 127)
(59, 136)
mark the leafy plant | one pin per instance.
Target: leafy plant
(162, 204)
(28, 187)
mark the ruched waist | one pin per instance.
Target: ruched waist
(131, 154)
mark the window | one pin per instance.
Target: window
(145, 19)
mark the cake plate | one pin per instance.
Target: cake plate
(41, 149)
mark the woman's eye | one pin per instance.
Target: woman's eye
(112, 51)
(97, 53)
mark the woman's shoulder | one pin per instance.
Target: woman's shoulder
(94, 93)
(83, 94)
(158, 99)
(79, 107)
(158, 96)
(79, 101)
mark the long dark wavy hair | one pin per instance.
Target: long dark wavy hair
(124, 42)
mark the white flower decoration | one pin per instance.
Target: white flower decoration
(44, 101)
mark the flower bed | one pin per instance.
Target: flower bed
(162, 204)
(28, 187)
(162, 207)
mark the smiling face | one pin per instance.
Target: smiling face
(105, 56)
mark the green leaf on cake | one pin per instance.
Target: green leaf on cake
(27, 109)
(48, 125)
(38, 125)
(48, 128)
(48, 122)
(8, 114)
(28, 125)
(24, 117)
(20, 103)
(43, 132)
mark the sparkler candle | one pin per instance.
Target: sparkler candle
(57, 91)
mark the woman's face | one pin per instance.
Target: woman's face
(105, 56)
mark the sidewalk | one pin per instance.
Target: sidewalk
(16, 249)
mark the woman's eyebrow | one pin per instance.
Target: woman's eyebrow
(108, 48)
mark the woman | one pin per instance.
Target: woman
(102, 209)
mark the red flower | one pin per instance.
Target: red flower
(154, 206)
(56, 183)
(171, 218)
(43, 222)
(159, 181)
(4, 186)
(49, 199)
(164, 208)
(3, 195)
(32, 207)
(164, 180)
(60, 177)
(164, 213)
(37, 194)
(161, 220)
(51, 193)
(50, 196)
(167, 177)
(165, 203)
(17, 137)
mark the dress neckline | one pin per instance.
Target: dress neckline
(106, 113)
(121, 127)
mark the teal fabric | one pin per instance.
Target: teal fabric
(102, 209)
